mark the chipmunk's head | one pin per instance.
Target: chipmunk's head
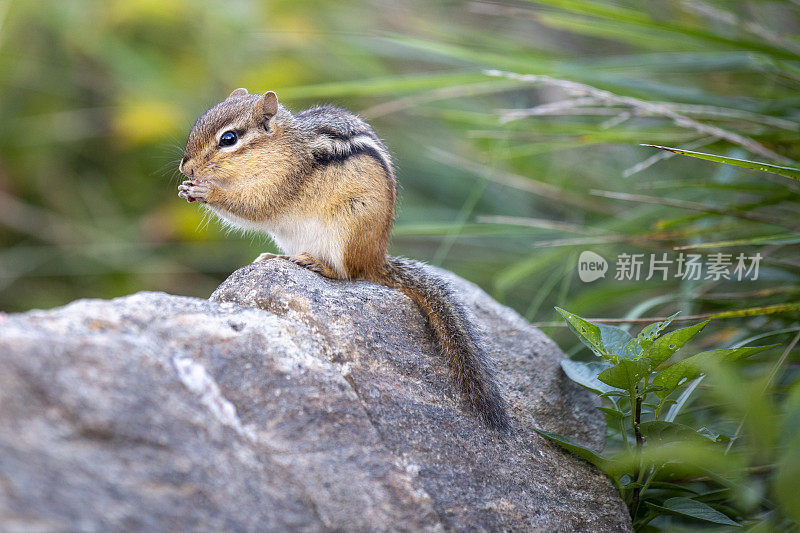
(237, 137)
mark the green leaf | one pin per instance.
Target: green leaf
(626, 374)
(714, 495)
(665, 346)
(683, 398)
(613, 414)
(581, 451)
(665, 485)
(617, 393)
(609, 342)
(693, 509)
(659, 433)
(585, 374)
(713, 435)
(631, 349)
(588, 333)
(691, 367)
(788, 172)
(651, 331)
(651, 388)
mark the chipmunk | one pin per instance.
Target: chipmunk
(321, 183)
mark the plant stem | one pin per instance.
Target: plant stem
(653, 470)
(637, 418)
(624, 434)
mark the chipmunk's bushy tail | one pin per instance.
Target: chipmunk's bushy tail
(468, 363)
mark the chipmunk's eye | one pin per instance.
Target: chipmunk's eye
(228, 138)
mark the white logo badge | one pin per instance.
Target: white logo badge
(591, 266)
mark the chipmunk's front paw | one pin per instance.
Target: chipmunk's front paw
(194, 190)
(313, 264)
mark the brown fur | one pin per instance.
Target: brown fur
(325, 168)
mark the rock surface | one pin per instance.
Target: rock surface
(317, 405)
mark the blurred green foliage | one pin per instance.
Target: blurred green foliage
(515, 127)
(665, 469)
(97, 99)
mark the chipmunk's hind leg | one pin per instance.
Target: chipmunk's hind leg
(305, 260)
(313, 264)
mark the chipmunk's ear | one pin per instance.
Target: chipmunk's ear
(267, 105)
(241, 91)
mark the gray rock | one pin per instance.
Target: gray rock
(317, 405)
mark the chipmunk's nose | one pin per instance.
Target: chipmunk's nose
(186, 170)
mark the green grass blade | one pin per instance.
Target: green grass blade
(757, 311)
(791, 238)
(398, 84)
(788, 172)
